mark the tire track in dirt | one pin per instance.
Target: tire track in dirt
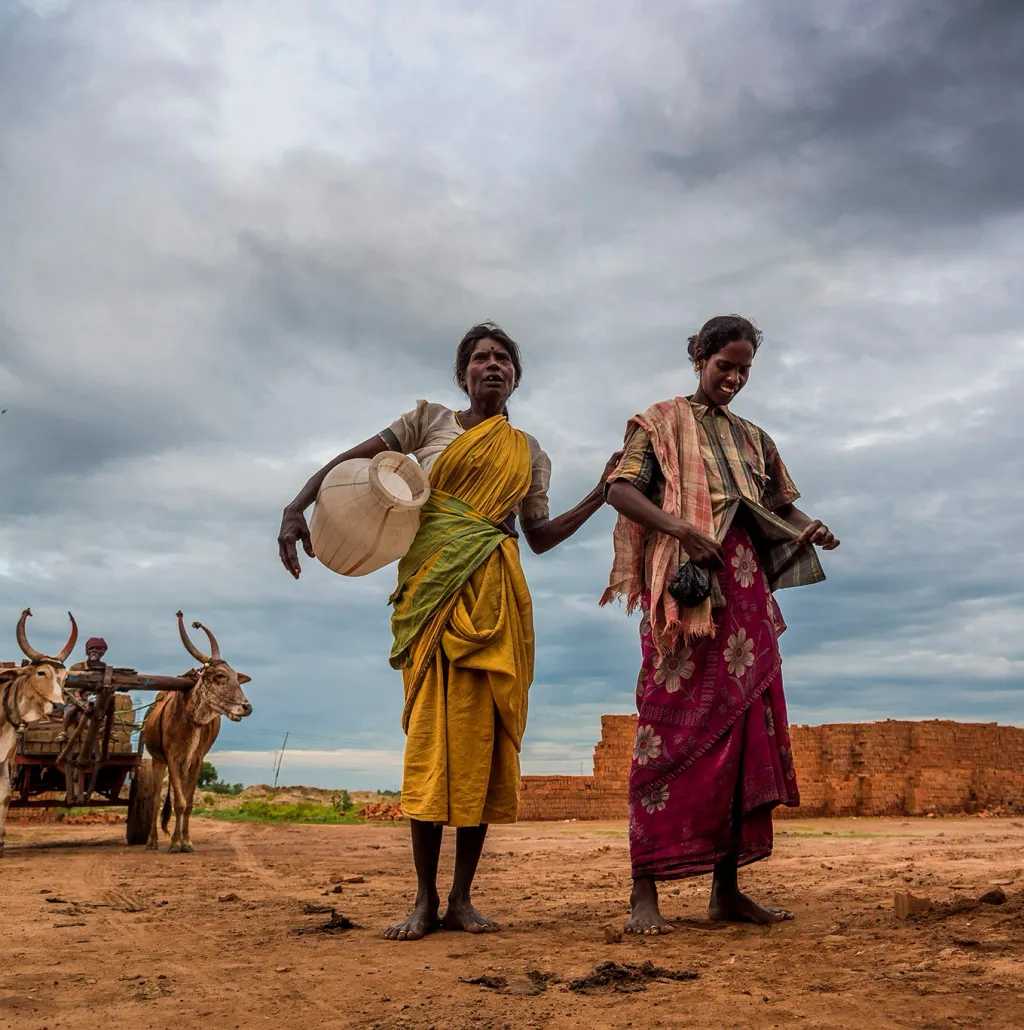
(248, 860)
(290, 986)
(205, 946)
(156, 894)
(86, 942)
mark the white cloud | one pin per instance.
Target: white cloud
(345, 759)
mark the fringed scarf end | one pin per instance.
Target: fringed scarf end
(667, 641)
(633, 598)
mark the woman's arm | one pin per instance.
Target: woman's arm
(543, 534)
(628, 501)
(293, 521)
(812, 531)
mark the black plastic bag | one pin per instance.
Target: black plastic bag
(691, 585)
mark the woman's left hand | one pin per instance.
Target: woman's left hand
(609, 468)
(817, 532)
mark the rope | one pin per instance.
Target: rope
(72, 699)
(11, 707)
(119, 715)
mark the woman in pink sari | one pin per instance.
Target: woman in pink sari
(712, 756)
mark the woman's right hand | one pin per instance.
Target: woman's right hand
(701, 548)
(293, 529)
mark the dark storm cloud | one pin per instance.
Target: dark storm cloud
(229, 254)
(912, 114)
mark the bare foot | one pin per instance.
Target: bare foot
(462, 916)
(422, 921)
(736, 907)
(646, 917)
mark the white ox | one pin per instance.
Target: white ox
(27, 694)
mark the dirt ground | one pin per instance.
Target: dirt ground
(96, 934)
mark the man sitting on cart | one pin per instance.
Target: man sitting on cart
(95, 649)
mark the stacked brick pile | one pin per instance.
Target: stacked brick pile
(844, 769)
(34, 815)
(381, 811)
(601, 796)
(908, 768)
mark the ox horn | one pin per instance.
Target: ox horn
(189, 646)
(23, 643)
(72, 640)
(214, 646)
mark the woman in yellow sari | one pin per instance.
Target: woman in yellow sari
(463, 618)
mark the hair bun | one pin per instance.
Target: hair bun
(717, 332)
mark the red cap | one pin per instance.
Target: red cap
(95, 644)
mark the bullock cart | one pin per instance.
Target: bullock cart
(97, 760)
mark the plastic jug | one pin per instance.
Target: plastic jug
(367, 513)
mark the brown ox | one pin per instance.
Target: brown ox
(180, 729)
(27, 694)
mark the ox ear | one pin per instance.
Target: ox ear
(242, 678)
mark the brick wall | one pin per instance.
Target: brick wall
(844, 769)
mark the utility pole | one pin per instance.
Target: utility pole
(280, 755)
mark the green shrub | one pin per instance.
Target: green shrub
(219, 787)
(260, 810)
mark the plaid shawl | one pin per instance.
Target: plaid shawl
(673, 433)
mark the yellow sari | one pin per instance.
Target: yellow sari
(463, 626)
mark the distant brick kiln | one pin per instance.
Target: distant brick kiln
(844, 769)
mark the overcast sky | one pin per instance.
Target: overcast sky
(239, 237)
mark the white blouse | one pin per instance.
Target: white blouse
(427, 430)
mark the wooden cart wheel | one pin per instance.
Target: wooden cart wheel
(140, 804)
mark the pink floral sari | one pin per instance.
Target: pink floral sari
(712, 756)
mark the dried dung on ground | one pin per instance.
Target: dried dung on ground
(335, 924)
(534, 983)
(495, 983)
(626, 978)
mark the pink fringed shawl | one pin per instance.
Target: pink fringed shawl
(638, 567)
